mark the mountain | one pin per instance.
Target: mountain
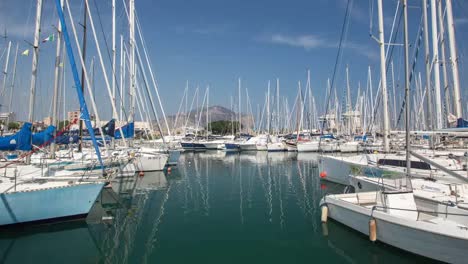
(215, 113)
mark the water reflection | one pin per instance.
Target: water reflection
(38, 244)
(255, 207)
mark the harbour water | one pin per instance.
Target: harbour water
(215, 207)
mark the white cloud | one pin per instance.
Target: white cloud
(309, 42)
(305, 41)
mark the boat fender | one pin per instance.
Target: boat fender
(324, 214)
(323, 174)
(372, 230)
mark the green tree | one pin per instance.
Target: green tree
(223, 127)
(13, 126)
(63, 124)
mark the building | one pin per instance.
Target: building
(39, 126)
(47, 121)
(7, 117)
(72, 115)
(142, 126)
(329, 122)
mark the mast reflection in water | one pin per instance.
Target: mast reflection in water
(215, 207)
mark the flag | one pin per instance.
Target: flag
(25, 53)
(49, 38)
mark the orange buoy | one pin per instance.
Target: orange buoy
(323, 187)
(323, 174)
(141, 174)
(372, 230)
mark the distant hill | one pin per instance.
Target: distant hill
(215, 113)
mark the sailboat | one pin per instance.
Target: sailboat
(30, 198)
(393, 217)
(275, 143)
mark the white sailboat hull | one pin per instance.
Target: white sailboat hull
(151, 161)
(273, 147)
(47, 204)
(329, 147)
(427, 239)
(336, 170)
(349, 147)
(248, 146)
(311, 146)
(211, 145)
(261, 147)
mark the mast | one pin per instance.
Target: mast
(5, 71)
(277, 107)
(454, 61)
(232, 121)
(310, 114)
(299, 120)
(444, 62)
(383, 78)
(83, 48)
(429, 120)
(268, 111)
(435, 50)
(13, 79)
(35, 58)
(369, 73)
(348, 101)
(207, 102)
(240, 126)
(122, 58)
(132, 59)
(76, 79)
(64, 92)
(113, 56)
(394, 95)
(56, 83)
(407, 93)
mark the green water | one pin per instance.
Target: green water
(213, 208)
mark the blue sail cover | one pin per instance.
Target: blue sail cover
(128, 131)
(360, 138)
(73, 136)
(18, 141)
(44, 137)
(329, 136)
(461, 123)
(68, 137)
(108, 129)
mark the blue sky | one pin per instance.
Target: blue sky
(210, 42)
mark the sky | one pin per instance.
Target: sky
(213, 43)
